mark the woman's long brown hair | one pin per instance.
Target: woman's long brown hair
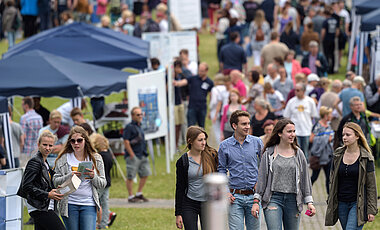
(89, 150)
(209, 156)
(278, 128)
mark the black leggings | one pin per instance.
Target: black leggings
(47, 220)
(326, 169)
(191, 210)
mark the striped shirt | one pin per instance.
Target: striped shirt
(31, 122)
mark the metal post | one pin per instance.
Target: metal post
(216, 206)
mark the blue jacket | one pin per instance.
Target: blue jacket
(29, 7)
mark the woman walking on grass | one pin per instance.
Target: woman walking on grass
(353, 193)
(283, 184)
(38, 189)
(191, 167)
(78, 210)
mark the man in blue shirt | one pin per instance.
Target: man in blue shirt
(240, 155)
(348, 93)
(136, 156)
(232, 55)
(199, 87)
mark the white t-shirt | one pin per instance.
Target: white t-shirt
(217, 95)
(164, 26)
(269, 79)
(83, 195)
(65, 110)
(275, 100)
(301, 112)
(193, 67)
(309, 88)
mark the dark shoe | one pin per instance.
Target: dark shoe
(30, 221)
(134, 200)
(142, 198)
(112, 218)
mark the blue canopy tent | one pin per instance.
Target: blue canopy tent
(360, 7)
(86, 43)
(36, 73)
(371, 20)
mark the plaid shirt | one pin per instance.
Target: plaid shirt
(31, 122)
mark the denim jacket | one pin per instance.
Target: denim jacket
(264, 183)
(63, 172)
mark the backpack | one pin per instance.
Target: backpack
(16, 23)
(259, 34)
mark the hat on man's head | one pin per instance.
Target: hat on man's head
(359, 79)
(312, 77)
(306, 71)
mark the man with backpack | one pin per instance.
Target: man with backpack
(11, 22)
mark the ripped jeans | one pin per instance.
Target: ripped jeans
(282, 210)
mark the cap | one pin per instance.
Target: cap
(312, 77)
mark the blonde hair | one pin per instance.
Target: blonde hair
(259, 17)
(324, 110)
(359, 133)
(55, 114)
(47, 134)
(99, 142)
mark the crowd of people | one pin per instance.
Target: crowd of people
(67, 146)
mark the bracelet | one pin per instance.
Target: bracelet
(256, 201)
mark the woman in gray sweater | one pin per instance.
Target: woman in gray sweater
(284, 184)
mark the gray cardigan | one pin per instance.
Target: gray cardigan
(264, 183)
(63, 172)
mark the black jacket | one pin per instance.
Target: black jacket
(322, 59)
(36, 183)
(182, 167)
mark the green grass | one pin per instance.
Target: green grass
(135, 219)
(161, 185)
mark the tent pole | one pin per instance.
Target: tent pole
(8, 140)
(352, 40)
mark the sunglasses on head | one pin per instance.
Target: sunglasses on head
(79, 140)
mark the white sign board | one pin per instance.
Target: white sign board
(11, 206)
(148, 91)
(377, 65)
(166, 46)
(187, 12)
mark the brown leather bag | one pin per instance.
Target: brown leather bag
(260, 34)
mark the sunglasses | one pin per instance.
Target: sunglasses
(79, 140)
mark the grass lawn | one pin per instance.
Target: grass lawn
(136, 219)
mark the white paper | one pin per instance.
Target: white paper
(64, 190)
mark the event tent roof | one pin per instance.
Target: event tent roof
(36, 73)
(370, 20)
(365, 6)
(90, 44)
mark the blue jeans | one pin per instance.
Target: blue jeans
(103, 199)
(282, 210)
(347, 216)
(81, 217)
(11, 38)
(303, 142)
(242, 208)
(196, 115)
